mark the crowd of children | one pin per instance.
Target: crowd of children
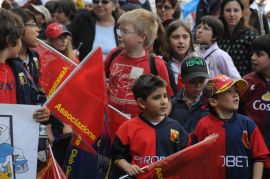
(191, 88)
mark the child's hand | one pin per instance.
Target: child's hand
(42, 114)
(133, 170)
(67, 130)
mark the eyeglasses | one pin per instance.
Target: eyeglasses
(166, 7)
(103, 2)
(123, 31)
(31, 24)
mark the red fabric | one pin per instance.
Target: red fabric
(80, 101)
(7, 85)
(79, 143)
(123, 72)
(54, 68)
(115, 120)
(180, 83)
(196, 162)
(133, 133)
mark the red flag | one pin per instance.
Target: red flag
(116, 118)
(80, 99)
(198, 161)
(79, 143)
(52, 170)
(54, 68)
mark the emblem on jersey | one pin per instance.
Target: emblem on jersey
(174, 136)
(245, 139)
(23, 79)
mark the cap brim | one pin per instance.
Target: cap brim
(240, 84)
(60, 33)
(194, 75)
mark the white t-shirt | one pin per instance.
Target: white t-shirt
(105, 39)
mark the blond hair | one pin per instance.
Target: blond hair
(144, 22)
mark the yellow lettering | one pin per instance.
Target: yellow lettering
(58, 80)
(76, 122)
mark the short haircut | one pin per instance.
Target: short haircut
(66, 6)
(262, 43)
(11, 28)
(25, 14)
(145, 85)
(171, 28)
(144, 22)
(215, 24)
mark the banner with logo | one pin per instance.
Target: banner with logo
(54, 68)
(19, 135)
(80, 100)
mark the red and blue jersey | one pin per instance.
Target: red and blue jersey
(240, 142)
(140, 142)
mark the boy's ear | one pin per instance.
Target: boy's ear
(212, 102)
(141, 103)
(143, 37)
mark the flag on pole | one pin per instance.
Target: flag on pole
(199, 161)
(116, 118)
(52, 170)
(189, 7)
(54, 67)
(80, 100)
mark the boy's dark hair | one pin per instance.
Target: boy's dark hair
(25, 14)
(66, 6)
(145, 85)
(262, 44)
(215, 24)
(11, 28)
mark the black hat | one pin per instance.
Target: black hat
(193, 67)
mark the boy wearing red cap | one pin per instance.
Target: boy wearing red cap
(241, 143)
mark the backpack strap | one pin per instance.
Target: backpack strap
(114, 54)
(152, 64)
(209, 54)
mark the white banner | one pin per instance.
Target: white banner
(19, 135)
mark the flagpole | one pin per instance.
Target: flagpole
(116, 110)
(54, 162)
(125, 176)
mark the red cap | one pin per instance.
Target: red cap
(221, 83)
(55, 29)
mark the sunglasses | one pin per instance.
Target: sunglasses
(103, 2)
(166, 7)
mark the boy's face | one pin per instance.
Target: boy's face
(227, 101)
(195, 86)
(29, 39)
(60, 43)
(260, 62)
(130, 38)
(180, 41)
(204, 34)
(156, 104)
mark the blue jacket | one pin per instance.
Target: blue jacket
(26, 93)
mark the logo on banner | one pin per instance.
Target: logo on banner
(263, 104)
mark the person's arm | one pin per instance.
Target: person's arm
(257, 170)
(131, 170)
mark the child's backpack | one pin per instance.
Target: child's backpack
(153, 69)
